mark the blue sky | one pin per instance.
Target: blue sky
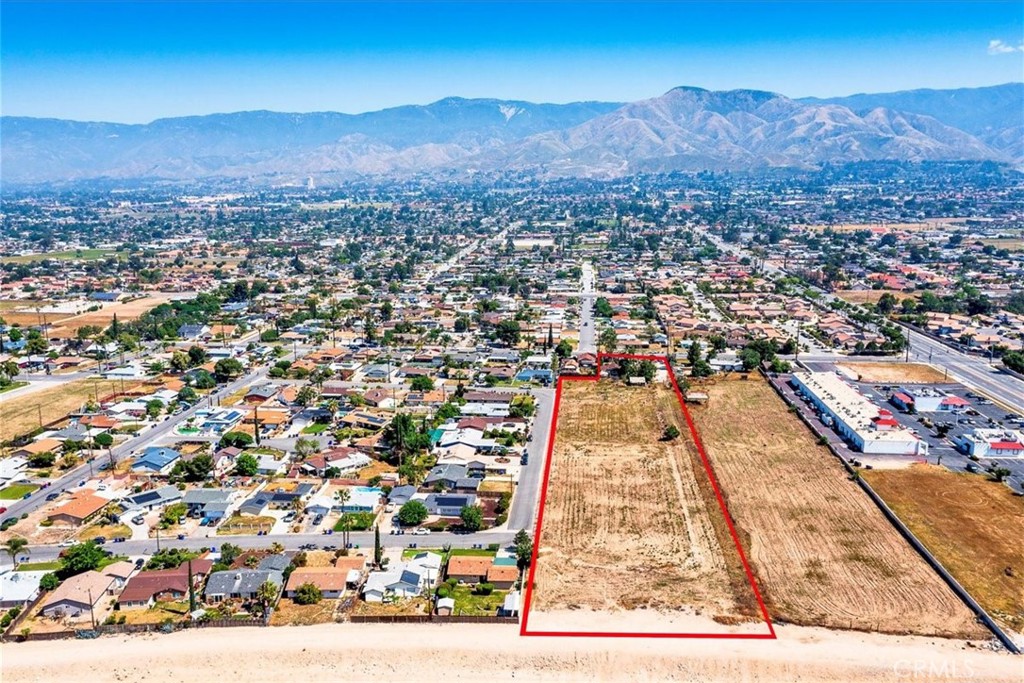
(133, 62)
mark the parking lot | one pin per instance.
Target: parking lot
(982, 413)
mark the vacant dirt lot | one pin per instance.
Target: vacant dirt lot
(823, 553)
(129, 310)
(894, 373)
(22, 415)
(971, 525)
(871, 296)
(628, 522)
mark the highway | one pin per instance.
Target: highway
(971, 371)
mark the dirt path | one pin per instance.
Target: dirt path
(346, 653)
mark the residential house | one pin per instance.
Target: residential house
(242, 584)
(79, 510)
(77, 596)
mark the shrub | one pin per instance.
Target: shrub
(308, 594)
(484, 588)
(443, 591)
(671, 433)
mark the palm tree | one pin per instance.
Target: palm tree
(344, 495)
(266, 594)
(14, 547)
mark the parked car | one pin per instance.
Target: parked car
(3, 510)
(100, 540)
(422, 531)
(53, 496)
(138, 519)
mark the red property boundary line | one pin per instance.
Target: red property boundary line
(524, 629)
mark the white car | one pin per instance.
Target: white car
(422, 531)
(66, 544)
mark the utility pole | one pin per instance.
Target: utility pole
(92, 611)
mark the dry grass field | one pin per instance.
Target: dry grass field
(65, 325)
(871, 296)
(630, 521)
(894, 373)
(21, 416)
(1011, 243)
(290, 613)
(823, 553)
(973, 526)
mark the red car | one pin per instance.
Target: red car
(3, 510)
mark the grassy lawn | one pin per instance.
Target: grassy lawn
(79, 255)
(108, 531)
(16, 491)
(473, 552)
(409, 553)
(39, 566)
(471, 605)
(316, 428)
(13, 385)
(242, 525)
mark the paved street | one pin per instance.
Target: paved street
(147, 437)
(364, 540)
(527, 497)
(588, 335)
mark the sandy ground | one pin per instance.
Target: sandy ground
(472, 652)
(894, 373)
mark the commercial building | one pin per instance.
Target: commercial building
(992, 443)
(868, 428)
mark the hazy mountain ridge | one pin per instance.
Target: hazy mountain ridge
(684, 129)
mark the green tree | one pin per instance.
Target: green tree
(236, 440)
(188, 395)
(377, 553)
(266, 595)
(307, 395)
(201, 379)
(413, 513)
(14, 547)
(80, 558)
(671, 433)
(422, 383)
(306, 447)
(227, 369)
(197, 356)
(308, 594)
(508, 332)
(44, 459)
(472, 517)
(750, 358)
(196, 469)
(229, 553)
(49, 581)
(524, 549)
(179, 362)
(609, 340)
(246, 465)
(154, 408)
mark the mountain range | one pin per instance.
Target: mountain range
(687, 128)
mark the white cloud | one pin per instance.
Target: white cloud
(998, 47)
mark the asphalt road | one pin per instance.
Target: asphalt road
(588, 335)
(42, 553)
(527, 497)
(122, 451)
(972, 371)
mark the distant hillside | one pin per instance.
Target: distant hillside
(994, 114)
(684, 129)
